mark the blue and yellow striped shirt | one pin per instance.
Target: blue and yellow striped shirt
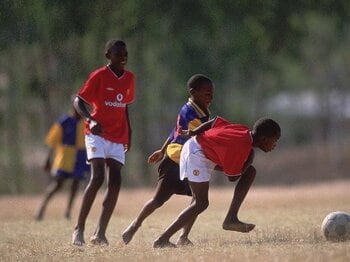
(189, 117)
(66, 137)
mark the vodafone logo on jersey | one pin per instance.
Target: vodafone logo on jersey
(117, 102)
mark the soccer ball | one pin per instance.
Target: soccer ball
(336, 226)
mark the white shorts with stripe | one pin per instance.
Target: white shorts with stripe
(193, 163)
(98, 147)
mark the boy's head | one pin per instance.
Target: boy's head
(201, 89)
(266, 133)
(116, 51)
(113, 45)
(197, 80)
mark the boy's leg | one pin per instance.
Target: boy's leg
(200, 203)
(183, 237)
(163, 192)
(96, 181)
(50, 191)
(109, 202)
(73, 193)
(231, 221)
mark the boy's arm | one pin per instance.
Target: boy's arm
(80, 105)
(247, 164)
(249, 161)
(128, 146)
(203, 127)
(158, 155)
(164, 146)
(47, 164)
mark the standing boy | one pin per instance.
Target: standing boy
(192, 114)
(109, 90)
(223, 145)
(66, 141)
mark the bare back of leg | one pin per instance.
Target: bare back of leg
(200, 203)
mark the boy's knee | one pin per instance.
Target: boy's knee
(115, 180)
(233, 178)
(57, 187)
(202, 205)
(157, 202)
(97, 181)
(75, 185)
(250, 172)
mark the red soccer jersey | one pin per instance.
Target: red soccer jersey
(227, 145)
(109, 95)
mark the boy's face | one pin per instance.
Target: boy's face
(203, 95)
(118, 56)
(267, 144)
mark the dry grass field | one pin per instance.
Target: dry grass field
(288, 223)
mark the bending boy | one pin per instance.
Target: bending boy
(228, 147)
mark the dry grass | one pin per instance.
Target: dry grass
(288, 228)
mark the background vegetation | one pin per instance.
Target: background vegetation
(285, 59)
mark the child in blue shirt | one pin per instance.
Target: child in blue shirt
(66, 141)
(192, 114)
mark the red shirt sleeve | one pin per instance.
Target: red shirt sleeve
(89, 90)
(130, 92)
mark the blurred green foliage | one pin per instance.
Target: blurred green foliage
(253, 51)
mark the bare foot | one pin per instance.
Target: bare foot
(238, 226)
(38, 217)
(78, 238)
(39, 214)
(184, 241)
(163, 244)
(67, 215)
(129, 233)
(97, 240)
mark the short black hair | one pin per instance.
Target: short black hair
(197, 80)
(266, 127)
(113, 42)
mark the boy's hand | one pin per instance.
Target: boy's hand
(95, 128)
(127, 147)
(47, 165)
(183, 132)
(155, 157)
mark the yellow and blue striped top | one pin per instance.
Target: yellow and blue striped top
(189, 117)
(66, 137)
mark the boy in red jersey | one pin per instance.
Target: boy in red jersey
(191, 115)
(108, 90)
(227, 147)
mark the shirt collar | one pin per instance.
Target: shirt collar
(198, 110)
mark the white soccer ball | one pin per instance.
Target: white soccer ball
(336, 226)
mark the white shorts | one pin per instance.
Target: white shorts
(193, 163)
(98, 147)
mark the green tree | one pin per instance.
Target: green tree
(252, 50)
